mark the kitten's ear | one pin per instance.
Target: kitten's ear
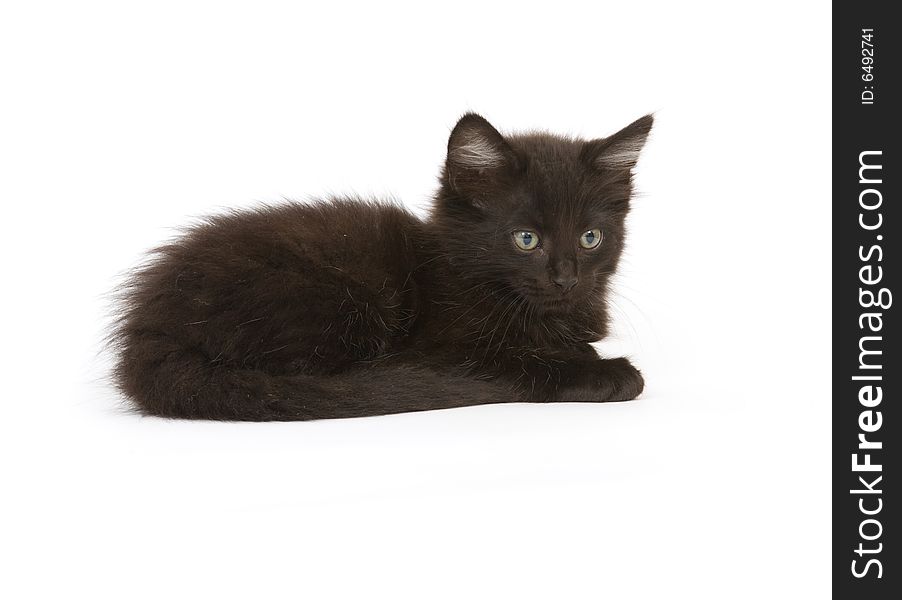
(478, 156)
(621, 150)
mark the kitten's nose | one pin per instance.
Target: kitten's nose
(565, 282)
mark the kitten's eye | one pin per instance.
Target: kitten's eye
(526, 240)
(590, 239)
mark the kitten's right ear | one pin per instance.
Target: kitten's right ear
(478, 157)
(619, 152)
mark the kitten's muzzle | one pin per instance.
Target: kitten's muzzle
(565, 283)
(564, 275)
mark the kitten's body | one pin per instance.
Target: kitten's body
(351, 308)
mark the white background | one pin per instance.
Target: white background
(121, 122)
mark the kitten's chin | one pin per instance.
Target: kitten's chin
(550, 303)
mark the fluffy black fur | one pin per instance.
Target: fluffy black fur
(348, 308)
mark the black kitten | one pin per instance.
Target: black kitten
(349, 308)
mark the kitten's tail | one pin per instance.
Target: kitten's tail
(189, 387)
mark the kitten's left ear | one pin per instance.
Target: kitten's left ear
(621, 150)
(479, 158)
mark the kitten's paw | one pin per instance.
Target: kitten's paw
(620, 381)
(608, 380)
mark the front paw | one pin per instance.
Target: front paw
(620, 380)
(608, 380)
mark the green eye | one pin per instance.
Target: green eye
(591, 239)
(526, 240)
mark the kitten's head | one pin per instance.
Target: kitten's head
(541, 215)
